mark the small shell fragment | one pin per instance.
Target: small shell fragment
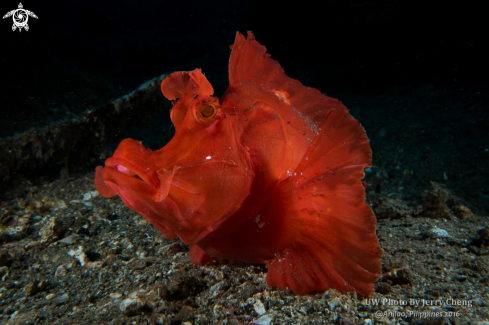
(71, 239)
(115, 295)
(60, 271)
(131, 306)
(263, 320)
(89, 195)
(259, 307)
(440, 232)
(79, 255)
(50, 296)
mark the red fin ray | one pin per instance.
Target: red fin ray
(331, 260)
(342, 142)
(330, 236)
(331, 221)
(339, 194)
(303, 272)
(250, 64)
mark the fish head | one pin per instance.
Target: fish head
(201, 176)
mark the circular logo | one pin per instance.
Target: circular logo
(20, 17)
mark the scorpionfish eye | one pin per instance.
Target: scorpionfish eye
(207, 112)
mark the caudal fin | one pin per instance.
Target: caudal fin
(330, 237)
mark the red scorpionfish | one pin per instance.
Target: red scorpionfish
(270, 173)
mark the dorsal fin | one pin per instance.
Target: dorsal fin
(250, 64)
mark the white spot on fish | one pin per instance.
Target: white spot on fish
(282, 95)
(261, 225)
(208, 157)
(257, 218)
(123, 169)
(307, 158)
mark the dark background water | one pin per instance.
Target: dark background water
(394, 56)
(335, 46)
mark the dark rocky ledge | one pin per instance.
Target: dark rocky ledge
(77, 142)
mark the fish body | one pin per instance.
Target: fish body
(270, 173)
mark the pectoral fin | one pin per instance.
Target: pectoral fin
(330, 239)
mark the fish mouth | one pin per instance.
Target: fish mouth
(188, 201)
(142, 174)
(158, 196)
(132, 165)
(153, 183)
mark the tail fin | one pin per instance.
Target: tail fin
(330, 237)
